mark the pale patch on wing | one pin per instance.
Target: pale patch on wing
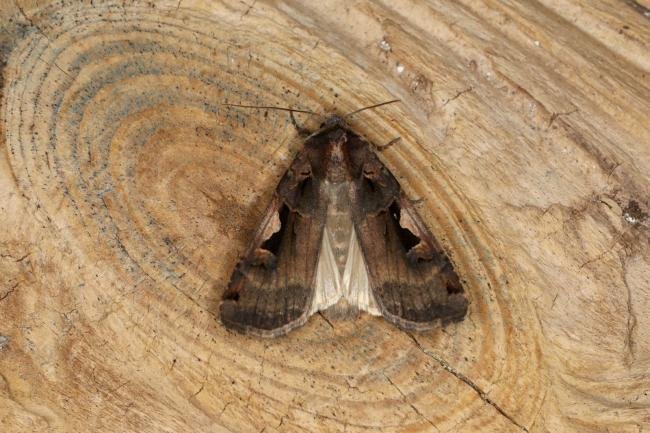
(352, 291)
(327, 290)
(355, 284)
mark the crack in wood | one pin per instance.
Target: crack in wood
(555, 115)
(320, 313)
(8, 292)
(405, 400)
(250, 7)
(197, 392)
(603, 254)
(42, 33)
(631, 316)
(460, 376)
(457, 95)
(539, 410)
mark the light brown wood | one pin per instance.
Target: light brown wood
(127, 192)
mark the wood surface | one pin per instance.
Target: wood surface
(128, 191)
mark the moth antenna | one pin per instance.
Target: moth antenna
(291, 110)
(371, 107)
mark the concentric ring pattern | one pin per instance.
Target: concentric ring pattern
(117, 132)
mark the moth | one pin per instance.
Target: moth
(340, 236)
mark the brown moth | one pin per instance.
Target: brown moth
(340, 235)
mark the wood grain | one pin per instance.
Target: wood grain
(128, 191)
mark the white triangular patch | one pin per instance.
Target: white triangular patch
(327, 289)
(353, 287)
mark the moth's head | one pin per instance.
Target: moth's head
(332, 122)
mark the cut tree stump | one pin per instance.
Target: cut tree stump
(128, 191)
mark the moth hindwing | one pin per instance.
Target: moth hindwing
(340, 235)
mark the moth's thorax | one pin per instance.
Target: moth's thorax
(336, 158)
(339, 219)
